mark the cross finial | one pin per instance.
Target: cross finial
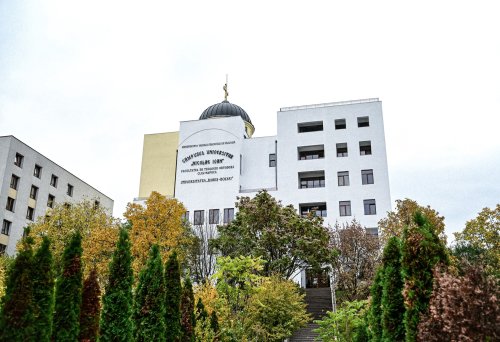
(225, 90)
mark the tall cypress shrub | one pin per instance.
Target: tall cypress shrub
(421, 251)
(188, 320)
(375, 311)
(173, 291)
(16, 313)
(69, 293)
(91, 308)
(149, 304)
(392, 293)
(43, 291)
(116, 317)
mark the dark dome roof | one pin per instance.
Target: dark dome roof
(224, 109)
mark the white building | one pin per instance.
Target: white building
(31, 184)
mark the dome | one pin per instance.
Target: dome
(224, 109)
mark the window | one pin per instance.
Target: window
(199, 216)
(345, 208)
(342, 150)
(2, 248)
(305, 127)
(340, 124)
(313, 179)
(228, 215)
(213, 216)
(14, 182)
(33, 192)
(18, 160)
(367, 176)
(50, 201)
(272, 160)
(69, 192)
(311, 152)
(185, 216)
(10, 204)
(37, 172)
(6, 227)
(365, 148)
(30, 213)
(372, 231)
(53, 181)
(370, 208)
(318, 209)
(343, 178)
(363, 121)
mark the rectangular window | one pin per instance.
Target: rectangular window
(365, 148)
(6, 227)
(312, 179)
(272, 160)
(33, 192)
(311, 152)
(53, 181)
(37, 172)
(342, 150)
(18, 160)
(345, 208)
(343, 178)
(213, 216)
(367, 176)
(185, 216)
(69, 192)
(363, 121)
(30, 213)
(228, 215)
(340, 124)
(2, 248)
(370, 208)
(51, 201)
(372, 231)
(14, 182)
(305, 127)
(318, 209)
(10, 204)
(199, 217)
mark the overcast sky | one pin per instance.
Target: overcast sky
(82, 82)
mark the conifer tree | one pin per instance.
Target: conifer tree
(173, 291)
(201, 312)
(69, 293)
(43, 291)
(392, 293)
(188, 320)
(91, 308)
(375, 313)
(16, 314)
(214, 323)
(116, 317)
(149, 304)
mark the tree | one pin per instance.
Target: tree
(43, 291)
(344, 325)
(173, 292)
(201, 313)
(375, 310)
(116, 317)
(394, 223)
(188, 320)
(5, 262)
(69, 293)
(421, 251)
(355, 260)
(202, 257)
(264, 228)
(16, 314)
(91, 308)
(392, 293)
(158, 222)
(149, 304)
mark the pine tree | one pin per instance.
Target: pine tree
(149, 304)
(214, 323)
(188, 320)
(43, 291)
(392, 293)
(201, 312)
(375, 311)
(16, 314)
(173, 291)
(69, 293)
(421, 251)
(116, 317)
(91, 308)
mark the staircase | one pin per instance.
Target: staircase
(318, 300)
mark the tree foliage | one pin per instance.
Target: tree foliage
(173, 292)
(5, 262)
(68, 295)
(264, 228)
(91, 308)
(344, 325)
(188, 319)
(160, 223)
(201, 258)
(116, 316)
(149, 304)
(375, 310)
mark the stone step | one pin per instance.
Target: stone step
(306, 334)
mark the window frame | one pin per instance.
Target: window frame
(37, 171)
(199, 217)
(272, 160)
(370, 206)
(18, 160)
(30, 213)
(228, 215)
(34, 192)
(53, 180)
(345, 208)
(69, 190)
(365, 148)
(312, 126)
(343, 175)
(363, 121)
(365, 177)
(14, 181)
(6, 225)
(213, 216)
(306, 208)
(339, 149)
(51, 200)
(11, 204)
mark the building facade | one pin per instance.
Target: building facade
(31, 184)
